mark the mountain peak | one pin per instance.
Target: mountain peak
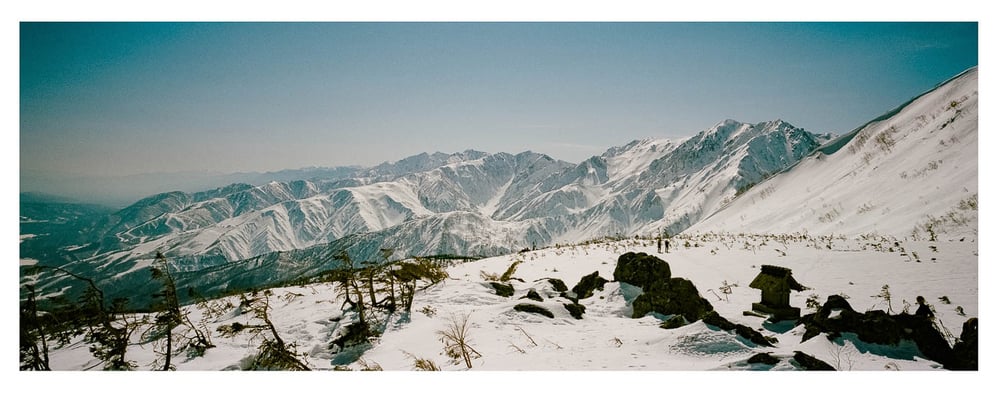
(776, 124)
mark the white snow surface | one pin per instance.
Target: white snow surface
(916, 170)
(607, 338)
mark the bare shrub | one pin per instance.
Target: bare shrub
(885, 295)
(884, 140)
(273, 353)
(844, 356)
(506, 276)
(422, 364)
(369, 366)
(812, 302)
(455, 337)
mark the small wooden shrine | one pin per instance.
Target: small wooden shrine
(776, 285)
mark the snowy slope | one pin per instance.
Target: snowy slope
(913, 172)
(899, 194)
(468, 203)
(606, 338)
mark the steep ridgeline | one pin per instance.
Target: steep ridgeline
(641, 187)
(912, 172)
(242, 221)
(650, 186)
(469, 203)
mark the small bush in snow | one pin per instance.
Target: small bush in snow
(843, 356)
(369, 366)
(506, 276)
(272, 353)
(429, 311)
(455, 337)
(885, 295)
(727, 288)
(812, 302)
(421, 364)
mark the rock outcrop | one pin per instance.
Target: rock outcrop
(534, 309)
(585, 288)
(673, 296)
(641, 269)
(505, 290)
(837, 316)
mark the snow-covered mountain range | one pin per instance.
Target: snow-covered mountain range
(513, 201)
(910, 172)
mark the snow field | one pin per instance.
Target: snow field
(607, 338)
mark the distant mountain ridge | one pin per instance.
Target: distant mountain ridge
(912, 172)
(642, 187)
(466, 203)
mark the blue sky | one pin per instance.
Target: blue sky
(126, 98)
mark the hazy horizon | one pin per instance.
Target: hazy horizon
(106, 100)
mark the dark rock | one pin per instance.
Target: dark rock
(756, 337)
(641, 270)
(576, 310)
(837, 302)
(877, 326)
(676, 321)
(558, 285)
(674, 296)
(585, 288)
(533, 308)
(930, 342)
(713, 318)
(356, 334)
(809, 362)
(764, 358)
(533, 295)
(970, 331)
(967, 348)
(504, 290)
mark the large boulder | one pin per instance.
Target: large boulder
(836, 316)
(967, 347)
(674, 296)
(929, 340)
(641, 270)
(585, 288)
